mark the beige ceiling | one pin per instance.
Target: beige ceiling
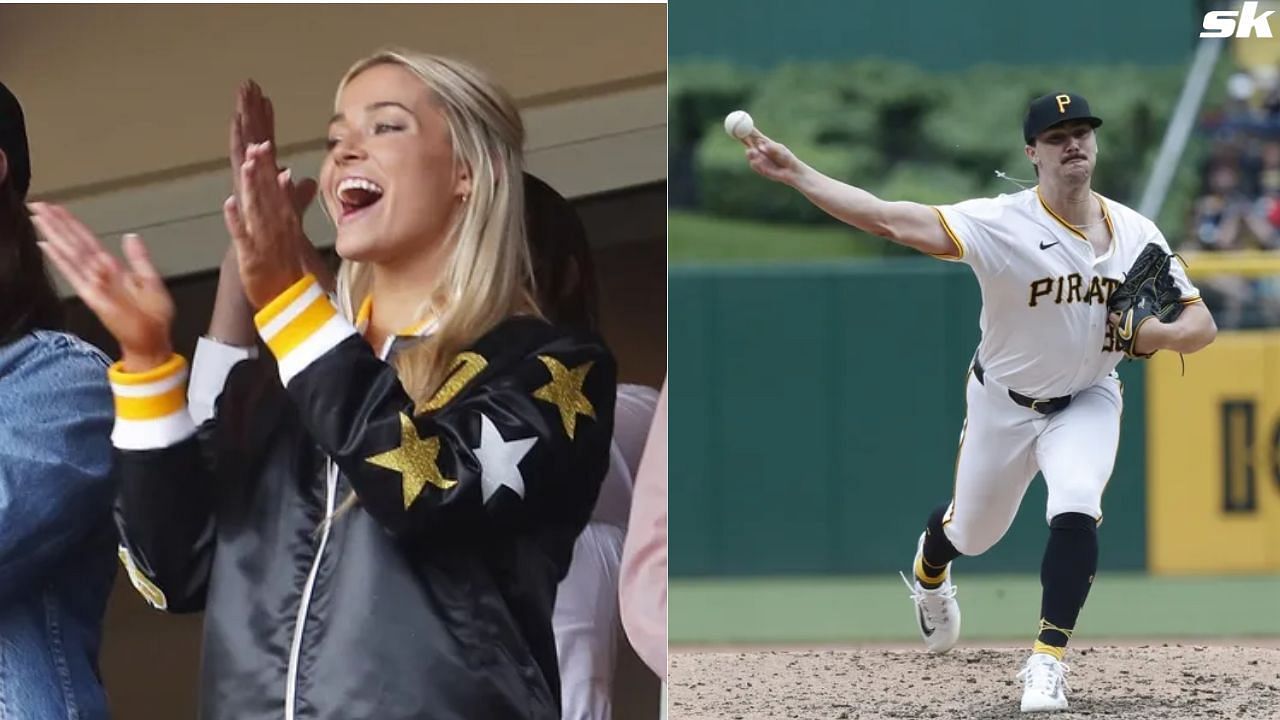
(120, 95)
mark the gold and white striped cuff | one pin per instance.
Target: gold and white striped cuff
(301, 325)
(151, 407)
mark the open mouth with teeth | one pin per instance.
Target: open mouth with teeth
(356, 194)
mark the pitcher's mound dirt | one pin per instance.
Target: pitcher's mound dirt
(1142, 683)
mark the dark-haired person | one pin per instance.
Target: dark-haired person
(1042, 395)
(57, 542)
(586, 618)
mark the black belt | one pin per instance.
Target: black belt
(1045, 407)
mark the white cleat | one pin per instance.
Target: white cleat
(1045, 684)
(937, 611)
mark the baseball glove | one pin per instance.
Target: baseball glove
(1148, 291)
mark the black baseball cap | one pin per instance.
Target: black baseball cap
(13, 141)
(1052, 109)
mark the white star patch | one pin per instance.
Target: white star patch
(500, 459)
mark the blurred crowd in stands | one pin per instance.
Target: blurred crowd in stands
(1238, 207)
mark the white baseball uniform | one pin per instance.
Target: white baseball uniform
(1045, 334)
(586, 619)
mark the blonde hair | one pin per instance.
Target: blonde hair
(487, 273)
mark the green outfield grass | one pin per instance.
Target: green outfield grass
(694, 237)
(995, 607)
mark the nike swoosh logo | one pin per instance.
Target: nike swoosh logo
(924, 627)
(1046, 247)
(1126, 328)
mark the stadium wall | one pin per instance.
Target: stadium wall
(939, 35)
(820, 410)
(1214, 449)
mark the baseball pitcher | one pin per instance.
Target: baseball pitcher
(1072, 282)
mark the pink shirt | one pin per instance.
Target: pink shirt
(642, 587)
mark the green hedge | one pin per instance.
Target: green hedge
(698, 94)
(903, 133)
(697, 238)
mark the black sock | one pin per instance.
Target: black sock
(1070, 561)
(938, 552)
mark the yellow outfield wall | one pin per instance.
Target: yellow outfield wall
(1213, 457)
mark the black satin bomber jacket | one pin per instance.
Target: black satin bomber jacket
(432, 596)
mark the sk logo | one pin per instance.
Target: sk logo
(1223, 23)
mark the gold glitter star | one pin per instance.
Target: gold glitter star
(415, 460)
(565, 392)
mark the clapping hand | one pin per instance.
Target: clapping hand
(265, 228)
(131, 302)
(254, 124)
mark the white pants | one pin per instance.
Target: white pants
(1002, 446)
(586, 624)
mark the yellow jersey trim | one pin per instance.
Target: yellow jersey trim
(173, 366)
(364, 313)
(296, 331)
(960, 249)
(153, 406)
(283, 300)
(1070, 228)
(1106, 216)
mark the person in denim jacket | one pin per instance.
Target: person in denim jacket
(57, 541)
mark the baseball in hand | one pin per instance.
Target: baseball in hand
(739, 124)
